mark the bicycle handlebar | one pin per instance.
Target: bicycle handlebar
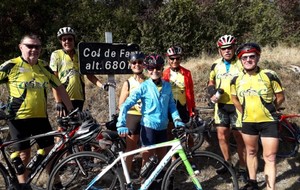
(74, 118)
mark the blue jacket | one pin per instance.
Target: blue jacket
(155, 105)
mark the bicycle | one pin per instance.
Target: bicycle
(81, 129)
(202, 126)
(179, 174)
(289, 136)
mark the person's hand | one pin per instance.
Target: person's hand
(106, 86)
(122, 131)
(178, 123)
(61, 109)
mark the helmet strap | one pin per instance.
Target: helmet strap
(157, 82)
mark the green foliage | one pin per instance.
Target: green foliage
(154, 25)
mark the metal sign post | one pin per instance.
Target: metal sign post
(111, 78)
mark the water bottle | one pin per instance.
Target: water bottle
(149, 167)
(218, 95)
(36, 160)
(17, 162)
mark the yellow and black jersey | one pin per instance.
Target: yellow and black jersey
(256, 94)
(222, 75)
(27, 86)
(68, 73)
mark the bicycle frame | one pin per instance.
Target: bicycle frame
(284, 118)
(176, 147)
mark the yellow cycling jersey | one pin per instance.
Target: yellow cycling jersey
(133, 85)
(178, 87)
(256, 94)
(222, 77)
(28, 86)
(68, 73)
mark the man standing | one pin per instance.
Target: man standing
(257, 94)
(226, 117)
(28, 79)
(64, 62)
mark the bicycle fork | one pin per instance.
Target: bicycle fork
(190, 170)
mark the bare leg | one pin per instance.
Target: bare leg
(25, 157)
(270, 146)
(251, 143)
(131, 144)
(223, 137)
(241, 150)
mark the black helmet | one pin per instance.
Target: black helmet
(154, 60)
(87, 131)
(136, 55)
(248, 48)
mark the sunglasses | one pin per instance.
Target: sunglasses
(227, 48)
(173, 58)
(137, 62)
(70, 39)
(158, 68)
(31, 46)
(245, 58)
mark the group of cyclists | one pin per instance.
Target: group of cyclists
(153, 100)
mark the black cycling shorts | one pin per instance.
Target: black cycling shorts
(24, 128)
(151, 136)
(227, 116)
(264, 129)
(133, 123)
(183, 113)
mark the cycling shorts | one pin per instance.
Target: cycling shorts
(133, 123)
(77, 104)
(24, 128)
(226, 115)
(183, 113)
(151, 136)
(264, 129)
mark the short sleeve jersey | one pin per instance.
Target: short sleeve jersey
(256, 95)
(222, 77)
(28, 86)
(68, 73)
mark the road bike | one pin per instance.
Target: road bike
(178, 174)
(81, 129)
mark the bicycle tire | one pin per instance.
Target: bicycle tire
(288, 142)
(85, 160)
(207, 163)
(4, 183)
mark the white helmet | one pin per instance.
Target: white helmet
(65, 31)
(226, 41)
(174, 50)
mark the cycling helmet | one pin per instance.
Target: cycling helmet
(226, 41)
(87, 131)
(136, 55)
(248, 48)
(154, 60)
(174, 50)
(65, 31)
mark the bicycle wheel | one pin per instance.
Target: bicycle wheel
(207, 163)
(288, 143)
(3, 178)
(77, 170)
